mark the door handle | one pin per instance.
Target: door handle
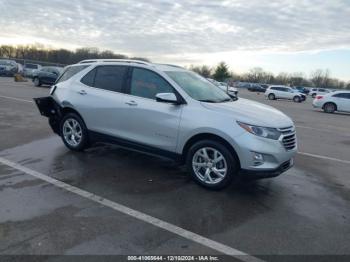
(131, 103)
(82, 92)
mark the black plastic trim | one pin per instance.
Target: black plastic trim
(267, 173)
(96, 137)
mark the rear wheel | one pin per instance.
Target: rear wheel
(297, 99)
(37, 81)
(313, 95)
(211, 164)
(272, 96)
(74, 132)
(329, 108)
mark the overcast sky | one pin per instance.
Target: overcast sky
(276, 35)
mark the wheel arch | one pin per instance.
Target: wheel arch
(209, 136)
(330, 102)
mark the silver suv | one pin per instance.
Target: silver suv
(169, 111)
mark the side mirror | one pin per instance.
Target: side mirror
(167, 98)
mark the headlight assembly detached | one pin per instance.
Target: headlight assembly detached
(266, 132)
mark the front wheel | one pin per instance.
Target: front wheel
(211, 164)
(74, 132)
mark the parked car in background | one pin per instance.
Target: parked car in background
(318, 91)
(172, 112)
(284, 92)
(230, 90)
(256, 88)
(302, 89)
(8, 67)
(30, 69)
(47, 75)
(334, 101)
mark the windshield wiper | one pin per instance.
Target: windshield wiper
(216, 101)
(225, 100)
(208, 100)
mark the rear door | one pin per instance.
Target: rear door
(343, 101)
(147, 121)
(98, 98)
(282, 92)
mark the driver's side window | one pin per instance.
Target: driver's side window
(145, 83)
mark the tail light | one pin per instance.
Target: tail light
(319, 97)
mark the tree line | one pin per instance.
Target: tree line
(62, 56)
(317, 78)
(37, 52)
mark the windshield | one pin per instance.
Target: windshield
(198, 87)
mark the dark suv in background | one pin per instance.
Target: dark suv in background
(302, 89)
(47, 75)
(8, 67)
(257, 88)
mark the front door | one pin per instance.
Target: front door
(149, 122)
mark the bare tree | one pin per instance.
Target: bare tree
(320, 78)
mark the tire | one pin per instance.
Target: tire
(36, 81)
(297, 99)
(229, 165)
(329, 108)
(79, 140)
(313, 95)
(271, 96)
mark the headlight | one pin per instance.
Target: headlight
(266, 132)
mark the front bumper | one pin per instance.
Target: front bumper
(259, 174)
(273, 153)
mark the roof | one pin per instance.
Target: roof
(162, 67)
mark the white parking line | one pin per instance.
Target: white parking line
(330, 130)
(17, 99)
(325, 157)
(137, 214)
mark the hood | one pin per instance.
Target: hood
(251, 112)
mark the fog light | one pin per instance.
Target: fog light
(258, 159)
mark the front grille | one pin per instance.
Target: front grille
(289, 140)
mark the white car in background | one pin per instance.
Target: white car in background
(318, 91)
(334, 101)
(30, 69)
(284, 92)
(232, 91)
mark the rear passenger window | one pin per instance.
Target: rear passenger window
(110, 77)
(342, 95)
(147, 84)
(69, 72)
(89, 78)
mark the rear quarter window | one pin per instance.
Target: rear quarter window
(71, 71)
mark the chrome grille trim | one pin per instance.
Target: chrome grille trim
(288, 138)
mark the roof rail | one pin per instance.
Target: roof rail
(114, 61)
(171, 65)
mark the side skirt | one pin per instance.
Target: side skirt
(96, 137)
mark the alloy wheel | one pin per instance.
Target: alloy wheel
(209, 165)
(72, 132)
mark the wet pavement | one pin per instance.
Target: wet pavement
(302, 212)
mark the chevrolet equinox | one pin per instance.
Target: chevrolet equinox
(169, 111)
